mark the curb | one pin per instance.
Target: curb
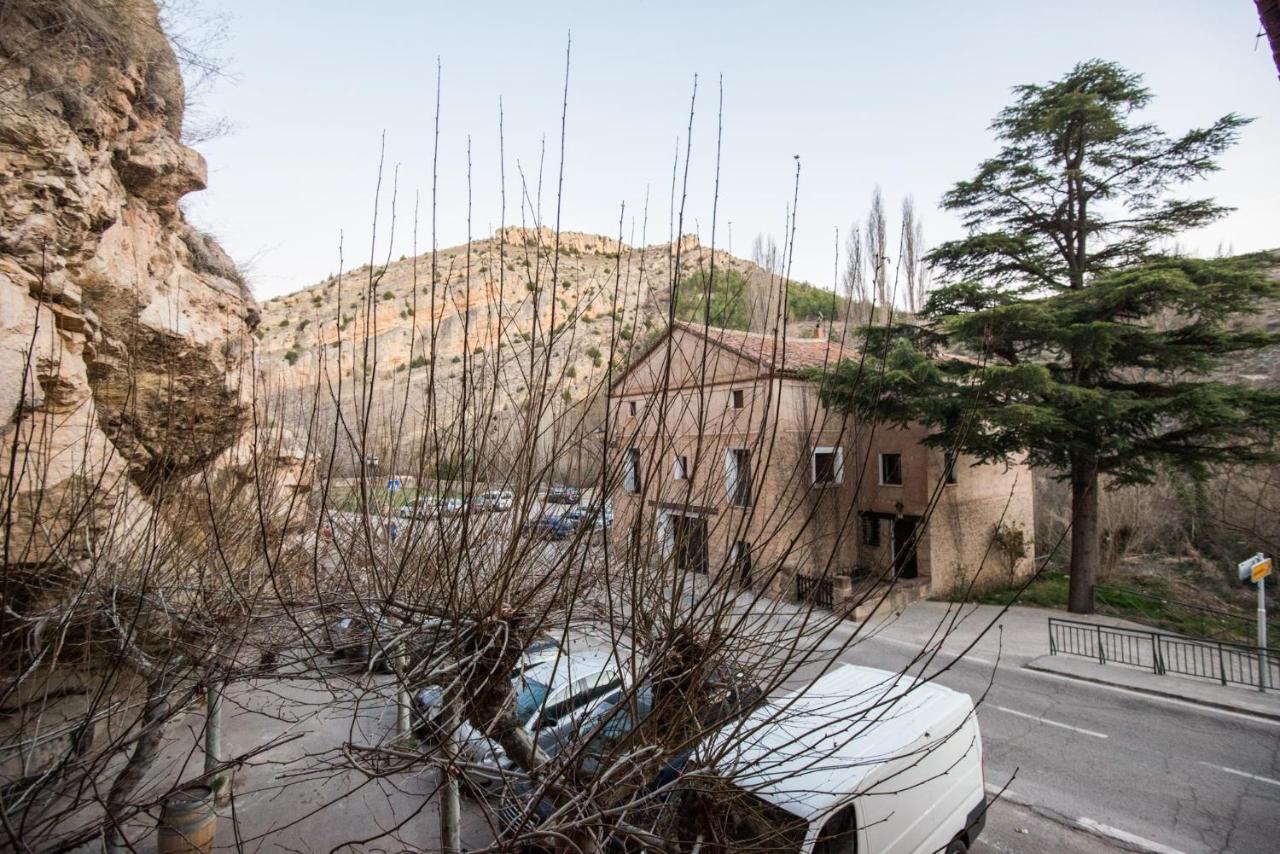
(1155, 692)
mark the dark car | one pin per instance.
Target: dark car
(593, 517)
(555, 526)
(373, 642)
(377, 640)
(563, 495)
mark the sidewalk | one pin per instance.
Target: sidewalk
(1020, 637)
(1204, 692)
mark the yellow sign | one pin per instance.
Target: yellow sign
(1261, 570)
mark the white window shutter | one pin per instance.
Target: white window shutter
(839, 465)
(730, 473)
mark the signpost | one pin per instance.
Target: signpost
(1255, 570)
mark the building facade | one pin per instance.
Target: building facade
(730, 463)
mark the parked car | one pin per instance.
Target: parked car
(371, 640)
(555, 526)
(862, 760)
(563, 495)
(593, 516)
(597, 729)
(495, 500)
(451, 505)
(548, 690)
(422, 507)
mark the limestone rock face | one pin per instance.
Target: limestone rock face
(123, 331)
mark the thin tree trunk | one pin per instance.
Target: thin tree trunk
(213, 741)
(1084, 531)
(1269, 15)
(450, 806)
(155, 715)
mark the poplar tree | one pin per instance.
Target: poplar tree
(1062, 333)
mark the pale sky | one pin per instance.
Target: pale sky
(896, 94)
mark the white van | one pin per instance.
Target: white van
(862, 761)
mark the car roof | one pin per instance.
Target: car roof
(559, 672)
(807, 752)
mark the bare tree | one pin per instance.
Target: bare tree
(876, 248)
(915, 270)
(400, 597)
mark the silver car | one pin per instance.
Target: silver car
(546, 692)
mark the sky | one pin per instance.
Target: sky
(896, 95)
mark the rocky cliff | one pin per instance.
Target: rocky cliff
(482, 309)
(123, 330)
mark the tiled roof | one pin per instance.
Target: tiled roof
(777, 353)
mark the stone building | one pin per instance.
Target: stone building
(731, 463)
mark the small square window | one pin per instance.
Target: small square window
(949, 466)
(891, 469)
(631, 408)
(738, 398)
(681, 468)
(827, 467)
(870, 529)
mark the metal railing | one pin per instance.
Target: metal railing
(1161, 653)
(817, 591)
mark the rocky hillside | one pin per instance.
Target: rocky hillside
(123, 330)
(493, 302)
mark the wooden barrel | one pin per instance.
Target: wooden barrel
(187, 822)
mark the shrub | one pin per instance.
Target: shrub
(291, 356)
(419, 362)
(1010, 543)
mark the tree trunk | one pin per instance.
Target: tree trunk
(450, 806)
(155, 715)
(1269, 15)
(216, 779)
(1084, 531)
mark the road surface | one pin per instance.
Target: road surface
(1107, 764)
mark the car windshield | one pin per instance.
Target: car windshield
(613, 732)
(541, 645)
(529, 696)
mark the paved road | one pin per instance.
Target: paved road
(1096, 759)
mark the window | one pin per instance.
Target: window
(681, 469)
(631, 408)
(827, 466)
(839, 835)
(530, 695)
(949, 466)
(737, 476)
(631, 474)
(870, 529)
(742, 562)
(737, 396)
(891, 469)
